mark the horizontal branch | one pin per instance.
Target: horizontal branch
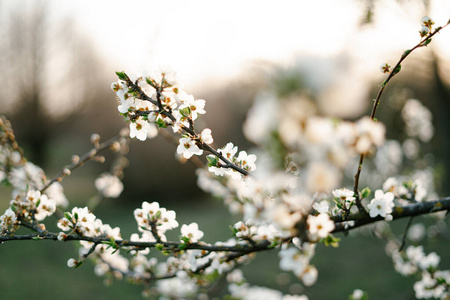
(360, 219)
(168, 246)
(399, 212)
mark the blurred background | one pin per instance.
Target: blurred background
(58, 60)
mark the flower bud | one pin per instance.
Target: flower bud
(95, 138)
(424, 31)
(427, 22)
(75, 159)
(115, 147)
(124, 132)
(72, 263)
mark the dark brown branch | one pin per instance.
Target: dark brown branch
(399, 212)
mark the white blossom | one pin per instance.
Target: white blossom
(206, 136)
(191, 232)
(321, 207)
(8, 219)
(320, 226)
(344, 194)
(142, 129)
(109, 185)
(382, 204)
(188, 147)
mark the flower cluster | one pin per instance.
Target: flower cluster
(408, 190)
(319, 147)
(243, 160)
(30, 206)
(7, 220)
(240, 289)
(427, 23)
(297, 260)
(82, 222)
(154, 221)
(149, 104)
(434, 282)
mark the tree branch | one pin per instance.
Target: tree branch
(399, 212)
(395, 70)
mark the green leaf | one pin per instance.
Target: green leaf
(122, 75)
(427, 42)
(212, 160)
(185, 112)
(406, 53)
(365, 193)
(68, 216)
(182, 246)
(161, 123)
(398, 69)
(78, 265)
(159, 247)
(234, 230)
(152, 82)
(332, 241)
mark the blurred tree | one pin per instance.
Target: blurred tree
(43, 67)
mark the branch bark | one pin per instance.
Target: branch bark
(399, 212)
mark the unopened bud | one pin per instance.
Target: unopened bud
(75, 159)
(427, 21)
(62, 236)
(66, 172)
(115, 147)
(95, 138)
(72, 263)
(124, 132)
(100, 159)
(424, 31)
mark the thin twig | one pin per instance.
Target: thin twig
(405, 233)
(423, 43)
(84, 158)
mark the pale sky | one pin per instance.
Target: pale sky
(217, 39)
(206, 41)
